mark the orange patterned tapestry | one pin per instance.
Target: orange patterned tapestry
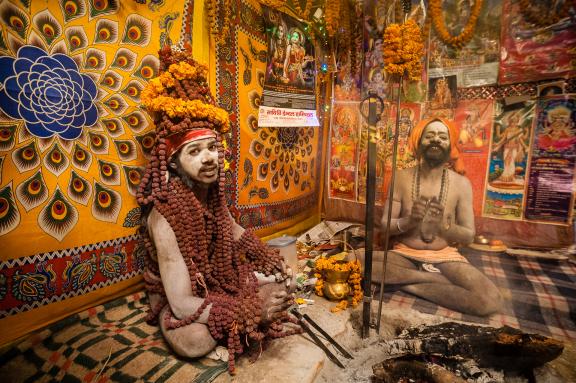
(73, 143)
(274, 175)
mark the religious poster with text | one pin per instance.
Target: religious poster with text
(509, 148)
(474, 119)
(289, 82)
(477, 62)
(344, 134)
(550, 186)
(538, 40)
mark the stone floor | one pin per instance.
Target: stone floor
(295, 358)
(298, 359)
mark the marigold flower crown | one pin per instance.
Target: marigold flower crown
(181, 92)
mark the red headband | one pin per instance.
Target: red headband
(176, 141)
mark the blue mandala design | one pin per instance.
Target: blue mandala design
(48, 93)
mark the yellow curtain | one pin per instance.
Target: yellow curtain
(73, 143)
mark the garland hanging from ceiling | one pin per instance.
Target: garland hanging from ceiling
(459, 41)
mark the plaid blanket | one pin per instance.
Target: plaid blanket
(539, 295)
(107, 343)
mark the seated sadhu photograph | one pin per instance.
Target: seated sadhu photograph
(287, 191)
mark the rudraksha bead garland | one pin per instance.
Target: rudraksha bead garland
(262, 257)
(203, 232)
(221, 270)
(204, 235)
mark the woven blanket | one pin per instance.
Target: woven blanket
(107, 343)
(539, 295)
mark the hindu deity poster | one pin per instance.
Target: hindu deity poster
(289, 82)
(410, 114)
(507, 167)
(477, 62)
(344, 135)
(442, 97)
(474, 119)
(538, 40)
(442, 92)
(373, 74)
(550, 191)
(383, 131)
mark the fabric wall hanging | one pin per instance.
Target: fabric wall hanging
(73, 143)
(275, 173)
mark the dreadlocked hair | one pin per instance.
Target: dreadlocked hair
(221, 270)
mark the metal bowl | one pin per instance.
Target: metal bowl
(480, 239)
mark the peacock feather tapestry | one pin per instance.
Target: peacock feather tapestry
(74, 141)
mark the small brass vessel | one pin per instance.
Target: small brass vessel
(336, 284)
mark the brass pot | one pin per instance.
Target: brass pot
(336, 284)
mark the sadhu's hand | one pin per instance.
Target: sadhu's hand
(435, 211)
(418, 211)
(288, 277)
(275, 303)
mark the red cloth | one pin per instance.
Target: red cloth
(176, 141)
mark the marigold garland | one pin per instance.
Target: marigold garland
(155, 99)
(465, 36)
(211, 7)
(226, 9)
(403, 50)
(195, 109)
(354, 279)
(275, 4)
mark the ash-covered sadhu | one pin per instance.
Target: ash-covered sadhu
(209, 280)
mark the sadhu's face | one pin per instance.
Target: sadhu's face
(199, 160)
(435, 142)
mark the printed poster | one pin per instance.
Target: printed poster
(289, 82)
(477, 63)
(550, 191)
(474, 120)
(383, 127)
(344, 150)
(507, 167)
(410, 114)
(534, 53)
(443, 92)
